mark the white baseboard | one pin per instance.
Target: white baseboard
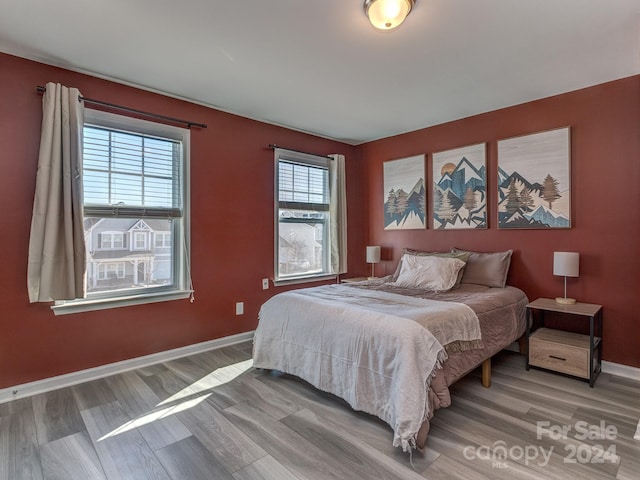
(69, 379)
(620, 370)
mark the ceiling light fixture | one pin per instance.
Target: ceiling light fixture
(387, 14)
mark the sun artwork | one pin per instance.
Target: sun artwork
(447, 168)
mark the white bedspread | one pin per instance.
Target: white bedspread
(370, 348)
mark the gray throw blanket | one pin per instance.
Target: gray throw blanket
(376, 350)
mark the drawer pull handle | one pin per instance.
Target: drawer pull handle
(558, 358)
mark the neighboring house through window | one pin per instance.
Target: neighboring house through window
(136, 190)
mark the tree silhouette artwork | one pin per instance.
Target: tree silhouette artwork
(404, 206)
(550, 191)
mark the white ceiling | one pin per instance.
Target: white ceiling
(319, 67)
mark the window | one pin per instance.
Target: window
(135, 181)
(302, 216)
(111, 240)
(108, 271)
(163, 240)
(140, 240)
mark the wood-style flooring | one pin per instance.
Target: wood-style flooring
(212, 416)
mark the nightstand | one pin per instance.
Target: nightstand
(353, 280)
(561, 351)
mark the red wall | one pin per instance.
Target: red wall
(605, 176)
(233, 250)
(232, 244)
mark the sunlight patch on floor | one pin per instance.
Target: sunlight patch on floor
(155, 415)
(187, 398)
(216, 378)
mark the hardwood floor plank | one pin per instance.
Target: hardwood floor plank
(543, 398)
(204, 420)
(157, 423)
(569, 390)
(188, 459)
(230, 445)
(21, 453)
(446, 468)
(220, 358)
(620, 383)
(71, 458)
(151, 370)
(15, 406)
(451, 445)
(92, 394)
(56, 415)
(270, 400)
(187, 369)
(198, 379)
(347, 450)
(5, 446)
(286, 446)
(368, 429)
(123, 454)
(267, 468)
(487, 425)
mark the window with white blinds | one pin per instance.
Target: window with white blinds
(136, 215)
(126, 171)
(302, 216)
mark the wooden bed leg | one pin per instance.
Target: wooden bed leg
(522, 345)
(486, 373)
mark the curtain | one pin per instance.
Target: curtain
(338, 214)
(56, 269)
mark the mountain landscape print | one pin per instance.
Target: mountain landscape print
(460, 188)
(405, 194)
(534, 181)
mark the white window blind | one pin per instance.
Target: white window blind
(131, 172)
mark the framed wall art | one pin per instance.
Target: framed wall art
(404, 194)
(459, 188)
(534, 181)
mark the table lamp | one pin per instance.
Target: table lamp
(566, 264)
(373, 257)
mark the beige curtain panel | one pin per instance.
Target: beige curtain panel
(338, 214)
(56, 269)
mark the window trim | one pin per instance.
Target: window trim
(313, 161)
(181, 289)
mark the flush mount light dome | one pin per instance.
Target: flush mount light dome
(387, 14)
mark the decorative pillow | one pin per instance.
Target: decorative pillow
(429, 272)
(488, 269)
(464, 256)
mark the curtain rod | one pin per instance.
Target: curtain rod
(188, 123)
(273, 146)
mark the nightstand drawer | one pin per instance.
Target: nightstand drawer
(561, 351)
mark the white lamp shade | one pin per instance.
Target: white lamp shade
(373, 254)
(566, 264)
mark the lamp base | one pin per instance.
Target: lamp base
(565, 300)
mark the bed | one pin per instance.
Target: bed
(390, 347)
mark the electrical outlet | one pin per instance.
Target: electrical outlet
(265, 283)
(239, 308)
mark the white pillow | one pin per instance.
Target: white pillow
(430, 273)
